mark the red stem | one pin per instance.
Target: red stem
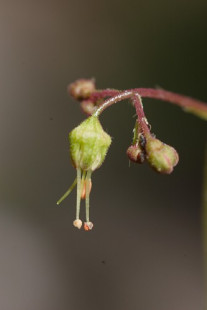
(142, 121)
(180, 100)
(118, 97)
(137, 101)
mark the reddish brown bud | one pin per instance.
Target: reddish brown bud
(135, 154)
(81, 89)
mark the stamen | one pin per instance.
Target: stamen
(77, 223)
(83, 182)
(88, 226)
(78, 193)
(88, 181)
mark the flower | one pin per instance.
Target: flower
(89, 144)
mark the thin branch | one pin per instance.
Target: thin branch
(189, 104)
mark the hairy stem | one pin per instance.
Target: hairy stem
(137, 101)
(194, 106)
(119, 97)
(142, 121)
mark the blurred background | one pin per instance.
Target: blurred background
(145, 251)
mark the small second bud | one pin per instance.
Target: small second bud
(135, 154)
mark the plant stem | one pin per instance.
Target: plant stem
(137, 101)
(189, 104)
(142, 121)
(119, 97)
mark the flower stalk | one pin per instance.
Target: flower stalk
(191, 105)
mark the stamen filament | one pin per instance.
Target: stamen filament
(83, 180)
(78, 193)
(88, 180)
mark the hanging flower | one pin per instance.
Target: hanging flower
(89, 144)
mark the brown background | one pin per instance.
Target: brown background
(145, 251)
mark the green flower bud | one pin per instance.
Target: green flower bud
(161, 157)
(89, 144)
(81, 89)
